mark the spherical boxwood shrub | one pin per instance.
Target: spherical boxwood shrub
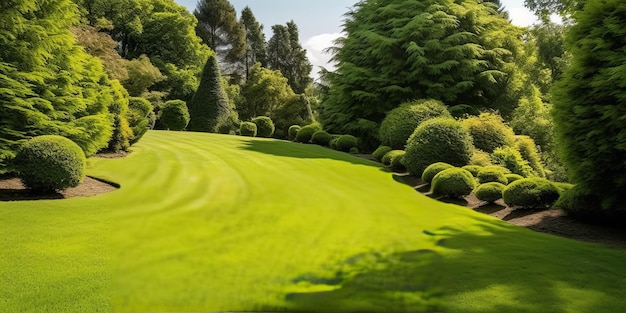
(174, 115)
(453, 182)
(248, 129)
(532, 192)
(438, 140)
(397, 161)
(400, 122)
(489, 174)
(474, 169)
(346, 142)
(489, 131)
(305, 133)
(489, 192)
(293, 130)
(354, 150)
(512, 177)
(433, 170)
(321, 138)
(264, 126)
(380, 152)
(386, 159)
(50, 162)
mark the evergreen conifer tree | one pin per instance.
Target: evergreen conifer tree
(209, 107)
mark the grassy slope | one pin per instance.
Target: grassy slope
(215, 223)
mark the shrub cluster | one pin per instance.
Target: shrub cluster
(248, 129)
(489, 131)
(581, 204)
(529, 152)
(305, 133)
(321, 138)
(400, 122)
(264, 126)
(380, 152)
(346, 142)
(512, 177)
(489, 192)
(397, 161)
(389, 156)
(474, 169)
(453, 182)
(489, 174)
(532, 192)
(433, 170)
(293, 130)
(138, 116)
(174, 115)
(512, 160)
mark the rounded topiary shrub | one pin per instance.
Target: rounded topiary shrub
(264, 126)
(305, 133)
(512, 177)
(489, 131)
(174, 115)
(386, 159)
(293, 130)
(397, 161)
(354, 150)
(532, 192)
(581, 204)
(346, 142)
(321, 138)
(438, 140)
(248, 129)
(487, 175)
(489, 192)
(433, 170)
(50, 162)
(474, 169)
(400, 122)
(380, 152)
(453, 182)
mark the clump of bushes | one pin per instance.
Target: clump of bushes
(512, 177)
(453, 182)
(581, 204)
(480, 158)
(529, 152)
(389, 156)
(264, 126)
(438, 140)
(50, 162)
(333, 141)
(248, 129)
(138, 116)
(293, 130)
(512, 160)
(346, 142)
(489, 174)
(400, 122)
(174, 115)
(380, 152)
(305, 133)
(489, 192)
(532, 192)
(474, 169)
(321, 138)
(397, 161)
(354, 150)
(489, 131)
(433, 170)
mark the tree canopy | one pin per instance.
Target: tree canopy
(284, 53)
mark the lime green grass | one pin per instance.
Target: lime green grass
(208, 222)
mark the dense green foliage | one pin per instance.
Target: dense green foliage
(480, 158)
(321, 138)
(264, 125)
(174, 115)
(401, 122)
(589, 104)
(487, 175)
(438, 140)
(138, 116)
(305, 133)
(50, 162)
(474, 169)
(532, 118)
(285, 54)
(433, 170)
(511, 159)
(255, 40)
(397, 161)
(380, 152)
(388, 158)
(209, 108)
(580, 203)
(489, 192)
(453, 182)
(512, 177)
(219, 29)
(295, 110)
(293, 130)
(489, 131)
(263, 93)
(346, 142)
(529, 152)
(532, 192)
(248, 129)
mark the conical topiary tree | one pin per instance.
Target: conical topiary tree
(208, 108)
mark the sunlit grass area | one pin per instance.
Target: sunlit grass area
(206, 222)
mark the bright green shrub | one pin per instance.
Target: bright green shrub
(293, 130)
(563, 187)
(453, 182)
(91, 133)
(512, 177)
(397, 161)
(386, 159)
(532, 192)
(305, 133)
(400, 122)
(247, 129)
(487, 175)
(474, 169)
(500, 168)
(264, 126)
(480, 158)
(50, 162)
(489, 131)
(510, 158)
(438, 140)
(354, 150)
(321, 138)
(346, 142)
(489, 192)
(174, 115)
(529, 152)
(138, 116)
(433, 170)
(122, 134)
(380, 152)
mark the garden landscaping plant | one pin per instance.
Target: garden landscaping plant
(305, 133)
(489, 192)
(248, 129)
(433, 170)
(264, 125)
(293, 130)
(531, 193)
(453, 182)
(321, 138)
(380, 152)
(174, 115)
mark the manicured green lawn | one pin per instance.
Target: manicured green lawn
(224, 223)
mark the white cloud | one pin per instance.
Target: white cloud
(315, 47)
(521, 16)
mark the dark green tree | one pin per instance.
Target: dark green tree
(219, 29)
(209, 107)
(263, 93)
(284, 53)
(255, 40)
(589, 103)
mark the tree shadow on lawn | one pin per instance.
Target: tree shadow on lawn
(303, 151)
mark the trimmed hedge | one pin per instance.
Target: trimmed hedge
(487, 175)
(386, 160)
(532, 192)
(474, 169)
(400, 122)
(174, 115)
(50, 162)
(264, 126)
(321, 138)
(489, 131)
(397, 161)
(433, 170)
(248, 129)
(305, 133)
(380, 152)
(453, 182)
(489, 192)
(293, 130)
(346, 142)
(512, 177)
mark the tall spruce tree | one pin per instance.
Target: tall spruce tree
(220, 30)
(284, 53)
(255, 40)
(209, 107)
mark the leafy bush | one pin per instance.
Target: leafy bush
(438, 140)
(174, 115)
(122, 134)
(500, 168)
(532, 192)
(512, 177)
(487, 175)
(248, 129)
(582, 204)
(333, 141)
(474, 169)
(563, 187)
(397, 161)
(389, 156)
(480, 158)
(138, 116)
(321, 138)
(92, 133)
(453, 182)
(529, 152)
(433, 170)
(305, 133)
(489, 131)
(293, 130)
(50, 162)
(346, 142)
(489, 192)
(380, 152)
(400, 122)
(512, 160)
(264, 126)
(354, 150)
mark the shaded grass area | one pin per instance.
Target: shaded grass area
(208, 222)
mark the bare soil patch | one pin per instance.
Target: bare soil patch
(12, 189)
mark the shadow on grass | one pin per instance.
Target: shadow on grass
(489, 208)
(303, 151)
(26, 194)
